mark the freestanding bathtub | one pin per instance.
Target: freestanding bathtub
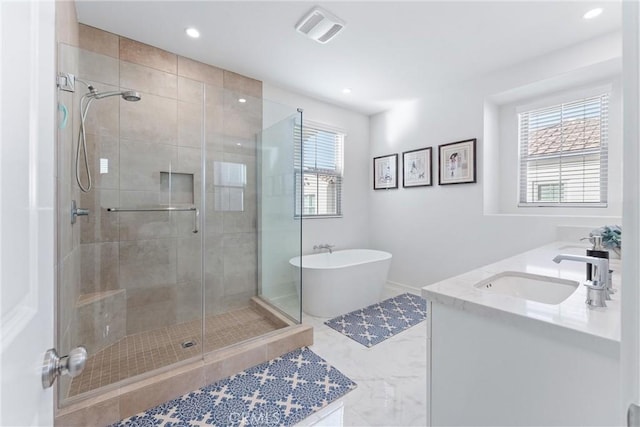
(337, 283)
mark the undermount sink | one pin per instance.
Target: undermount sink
(544, 289)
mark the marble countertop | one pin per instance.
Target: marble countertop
(572, 313)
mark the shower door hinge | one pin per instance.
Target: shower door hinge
(67, 82)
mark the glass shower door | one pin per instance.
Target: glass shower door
(190, 221)
(130, 272)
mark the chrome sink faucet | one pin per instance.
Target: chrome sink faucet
(324, 246)
(597, 288)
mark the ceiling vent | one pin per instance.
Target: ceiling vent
(320, 25)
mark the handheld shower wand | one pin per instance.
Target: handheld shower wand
(92, 95)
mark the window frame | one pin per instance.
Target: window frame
(602, 151)
(299, 173)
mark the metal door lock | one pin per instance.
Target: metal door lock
(72, 364)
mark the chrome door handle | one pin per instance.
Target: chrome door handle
(76, 212)
(53, 366)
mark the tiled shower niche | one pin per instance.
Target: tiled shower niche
(176, 188)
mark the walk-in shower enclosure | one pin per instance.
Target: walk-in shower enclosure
(190, 212)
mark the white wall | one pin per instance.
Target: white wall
(352, 230)
(440, 231)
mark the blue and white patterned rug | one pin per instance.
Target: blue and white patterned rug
(373, 324)
(282, 391)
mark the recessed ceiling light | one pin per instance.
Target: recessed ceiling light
(593, 13)
(346, 90)
(192, 32)
(242, 100)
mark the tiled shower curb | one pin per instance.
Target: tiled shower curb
(129, 400)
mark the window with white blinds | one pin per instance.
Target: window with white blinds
(563, 154)
(318, 164)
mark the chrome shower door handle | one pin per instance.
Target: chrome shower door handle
(76, 212)
(195, 210)
(53, 366)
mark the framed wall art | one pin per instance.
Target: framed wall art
(457, 162)
(385, 172)
(416, 168)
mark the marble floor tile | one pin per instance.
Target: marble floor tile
(388, 393)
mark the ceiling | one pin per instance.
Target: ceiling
(388, 51)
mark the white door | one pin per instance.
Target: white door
(630, 345)
(27, 179)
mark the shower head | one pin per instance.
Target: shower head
(127, 95)
(131, 95)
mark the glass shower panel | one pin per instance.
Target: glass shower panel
(233, 120)
(130, 273)
(279, 229)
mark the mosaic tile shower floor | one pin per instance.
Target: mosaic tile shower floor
(146, 351)
(282, 391)
(373, 324)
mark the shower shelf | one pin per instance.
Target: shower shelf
(164, 209)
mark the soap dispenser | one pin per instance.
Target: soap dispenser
(597, 251)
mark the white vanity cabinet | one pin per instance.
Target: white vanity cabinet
(499, 360)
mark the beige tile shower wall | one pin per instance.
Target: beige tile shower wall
(154, 258)
(67, 28)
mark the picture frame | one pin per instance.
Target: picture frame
(457, 162)
(385, 172)
(416, 168)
